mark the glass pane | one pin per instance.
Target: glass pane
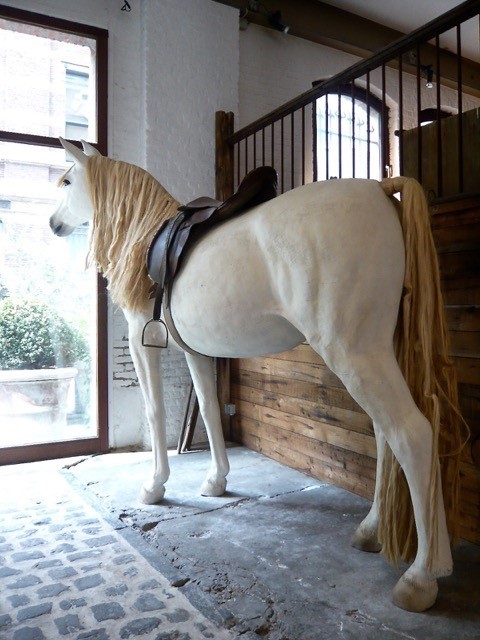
(48, 82)
(47, 308)
(356, 129)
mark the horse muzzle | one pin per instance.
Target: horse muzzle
(59, 228)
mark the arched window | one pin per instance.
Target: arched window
(351, 138)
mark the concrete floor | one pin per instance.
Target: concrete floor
(274, 554)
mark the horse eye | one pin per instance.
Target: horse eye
(66, 183)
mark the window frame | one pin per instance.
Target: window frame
(371, 101)
(98, 443)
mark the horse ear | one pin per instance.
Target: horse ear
(89, 149)
(76, 153)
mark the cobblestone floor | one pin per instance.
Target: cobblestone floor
(65, 572)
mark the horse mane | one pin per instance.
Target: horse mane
(129, 207)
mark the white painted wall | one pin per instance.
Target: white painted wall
(275, 68)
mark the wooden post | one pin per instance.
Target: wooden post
(223, 155)
(223, 190)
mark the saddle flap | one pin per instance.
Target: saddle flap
(159, 248)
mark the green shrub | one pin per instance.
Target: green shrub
(35, 336)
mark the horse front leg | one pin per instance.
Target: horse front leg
(202, 370)
(147, 366)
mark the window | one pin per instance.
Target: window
(52, 310)
(351, 140)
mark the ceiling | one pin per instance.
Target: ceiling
(403, 15)
(362, 27)
(407, 15)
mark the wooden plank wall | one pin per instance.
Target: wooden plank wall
(292, 408)
(450, 169)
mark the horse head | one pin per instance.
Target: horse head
(75, 206)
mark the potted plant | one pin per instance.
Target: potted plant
(38, 351)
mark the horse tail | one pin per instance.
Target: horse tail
(422, 350)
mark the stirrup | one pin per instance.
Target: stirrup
(155, 334)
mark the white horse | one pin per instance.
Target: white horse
(327, 263)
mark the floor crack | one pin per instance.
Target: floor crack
(75, 463)
(231, 505)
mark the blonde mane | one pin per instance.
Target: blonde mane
(129, 206)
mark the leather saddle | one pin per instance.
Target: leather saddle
(177, 235)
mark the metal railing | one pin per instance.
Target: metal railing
(412, 79)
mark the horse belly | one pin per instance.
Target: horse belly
(252, 337)
(223, 302)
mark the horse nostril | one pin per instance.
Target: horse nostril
(56, 228)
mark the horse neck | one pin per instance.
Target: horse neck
(134, 197)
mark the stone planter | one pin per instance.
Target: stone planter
(35, 396)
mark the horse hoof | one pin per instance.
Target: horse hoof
(414, 593)
(151, 496)
(214, 487)
(366, 541)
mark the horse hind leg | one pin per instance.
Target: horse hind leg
(365, 537)
(376, 383)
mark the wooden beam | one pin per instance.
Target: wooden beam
(224, 123)
(321, 23)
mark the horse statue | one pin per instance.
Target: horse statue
(340, 264)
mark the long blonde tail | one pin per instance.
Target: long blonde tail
(422, 351)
